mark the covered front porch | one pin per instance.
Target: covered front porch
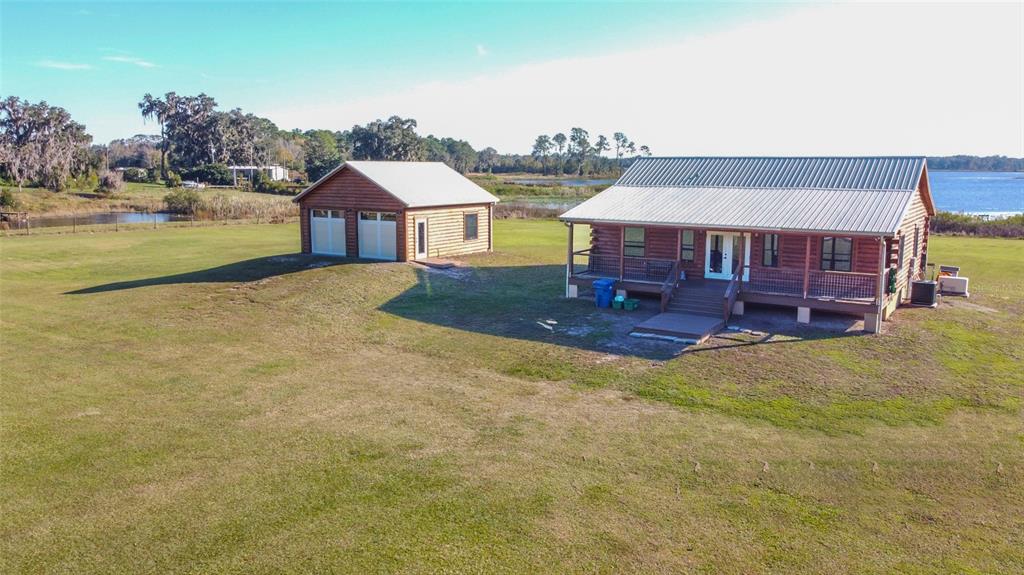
(713, 273)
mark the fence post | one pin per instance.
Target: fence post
(117, 216)
(74, 222)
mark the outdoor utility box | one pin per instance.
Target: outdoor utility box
(953, 285)
(924, 293)
(952, 271)
(603, 292)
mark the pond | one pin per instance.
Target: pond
(567, 182)
(104, 218)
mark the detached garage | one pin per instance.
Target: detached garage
(395, 211)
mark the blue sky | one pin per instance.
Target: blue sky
(98, 59)
(497, 73)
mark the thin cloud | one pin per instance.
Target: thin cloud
(801, 83)
(481, 50)
(58, 65)
(130, 60)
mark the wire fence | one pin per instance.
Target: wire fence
(126, 221)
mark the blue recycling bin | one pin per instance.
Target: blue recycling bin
(604, 289)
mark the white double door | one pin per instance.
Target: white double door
(723, 254)
(327, 232)
(378, 235)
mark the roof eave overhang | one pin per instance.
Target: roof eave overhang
(874, 234)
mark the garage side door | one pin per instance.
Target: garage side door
(327, 232)
(377, 235)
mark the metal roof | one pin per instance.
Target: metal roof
(416, 184)
(866, 196)
(831, 173)
(830, 211)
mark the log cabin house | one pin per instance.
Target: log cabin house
(395, 211)
(707, 235)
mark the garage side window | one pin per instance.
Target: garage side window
(470, 226)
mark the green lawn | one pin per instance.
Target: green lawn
(205, 400)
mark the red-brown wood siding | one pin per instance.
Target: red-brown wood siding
(663, 242)
(352, 192)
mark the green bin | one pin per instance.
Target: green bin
(631, 304)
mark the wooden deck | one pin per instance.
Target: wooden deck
(682, 325)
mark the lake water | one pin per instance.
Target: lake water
(995, 194)
(568, 182)
(988, 193)
(105, 218)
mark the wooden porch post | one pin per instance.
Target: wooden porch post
(880, 296)
(568, 261)
(807, 265)
(622, 253)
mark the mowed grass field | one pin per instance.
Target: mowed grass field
(206, 400)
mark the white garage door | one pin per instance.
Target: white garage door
(377, 235)
(327, 232)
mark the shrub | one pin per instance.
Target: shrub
(137, 175)
(183, 201)
(216, 174)
(110, 183)
(152, 175)
(173, 180)
(7, 200)
(971, 225)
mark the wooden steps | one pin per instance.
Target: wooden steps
(693, 313)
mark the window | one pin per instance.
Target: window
(686, 246)
(899, 252)
(319, 213)
(388, 217)
(836, 254)
(369, 216)
(633, 243)
(469, 225)
(770, 256)
(917, 238)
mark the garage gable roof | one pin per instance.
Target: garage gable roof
(416, 184)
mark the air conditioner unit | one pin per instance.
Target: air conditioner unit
(953, 285)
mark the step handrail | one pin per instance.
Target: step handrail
(732, 291)
(668, 287)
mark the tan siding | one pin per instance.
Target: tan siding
(916, 216)
(445, 230)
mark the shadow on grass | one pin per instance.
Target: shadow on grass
(521, 302)
(236, 272)
(513, 302)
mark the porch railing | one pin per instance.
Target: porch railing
(842, 285)
(646, 269)
(776, 282)
(820, 284)
(587, 263)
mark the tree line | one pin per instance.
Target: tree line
(42, 145)
(976, 163)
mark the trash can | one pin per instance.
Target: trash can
(617, 302)
(603, 290)
(631, 304)
(924, 293)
